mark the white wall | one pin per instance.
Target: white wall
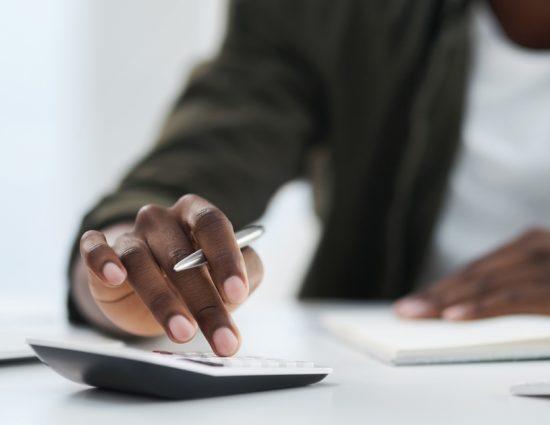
(142, 53)
(43, 77)
(84, 87)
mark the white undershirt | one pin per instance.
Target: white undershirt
(500, 183)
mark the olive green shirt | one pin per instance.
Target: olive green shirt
(364, 96)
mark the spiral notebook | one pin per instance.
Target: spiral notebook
(379, 333)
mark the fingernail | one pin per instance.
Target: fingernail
(456, 312)
(412, 308)
(235, 290)
(225, 341)
(181, 328)
(113, 273)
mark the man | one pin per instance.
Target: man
(413, 130)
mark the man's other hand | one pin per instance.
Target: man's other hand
(514, 279)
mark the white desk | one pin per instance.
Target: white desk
(361, 390)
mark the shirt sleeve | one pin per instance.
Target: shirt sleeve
(237, 133)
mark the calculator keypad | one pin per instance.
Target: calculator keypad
(211, 359)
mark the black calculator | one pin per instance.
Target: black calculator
(170, 374)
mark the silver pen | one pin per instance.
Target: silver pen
(244, 238)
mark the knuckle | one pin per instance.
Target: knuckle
(535, 233)
(133, 250)
(429, 294)
(534, 236)
(89, 234)
(89, 240)
(147, 213)
(94, 254)
(94, 250)
(160, 302)
(186, 201)
(477, 308)
(189, 198)
(209, 219)
(225, 258)
(177, 254)
(500, 299)
(208, 312)
(538, 251)
(535, 245)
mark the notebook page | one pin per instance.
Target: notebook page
(380, 327)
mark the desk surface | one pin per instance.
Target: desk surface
(361, 390)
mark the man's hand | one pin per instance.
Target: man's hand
(133, 282)
(511, 280)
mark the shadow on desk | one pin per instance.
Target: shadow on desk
(109, 396)
(106, 396)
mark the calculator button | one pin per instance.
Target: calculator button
(169, 353)
(209, 362)
(194, 354)
(270, 363)
(252, 362)
(236, 362)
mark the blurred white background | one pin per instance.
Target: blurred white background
(84, 87)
